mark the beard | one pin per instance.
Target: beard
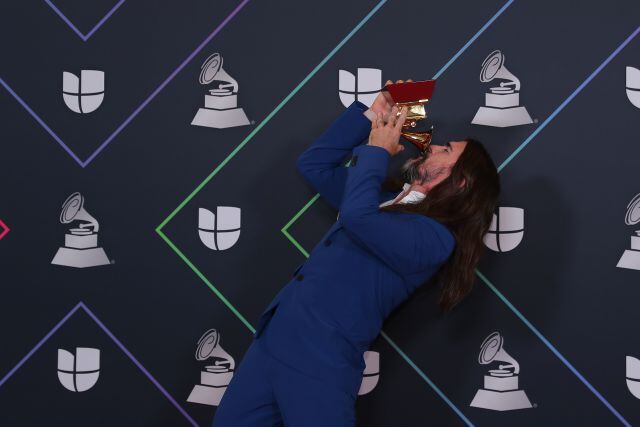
(416, 170)
(411, 172)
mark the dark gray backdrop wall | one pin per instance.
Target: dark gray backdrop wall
(566, 313)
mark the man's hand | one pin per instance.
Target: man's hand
(388, 136)
(383, 102)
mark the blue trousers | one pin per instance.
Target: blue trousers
(265, 392)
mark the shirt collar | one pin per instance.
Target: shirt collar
(412, 197)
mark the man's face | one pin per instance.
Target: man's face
(435, 165)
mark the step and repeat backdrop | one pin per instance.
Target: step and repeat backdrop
(151, 208)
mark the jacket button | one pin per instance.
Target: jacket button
(327, 242)
(299, 277)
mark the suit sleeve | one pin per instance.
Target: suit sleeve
(321, 163)
(406, 243)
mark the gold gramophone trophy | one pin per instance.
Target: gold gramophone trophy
(415, 96)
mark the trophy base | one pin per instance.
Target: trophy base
(220, 119)
(501, 400)
(630, 259)
(80, 258)
(502, 117)
(206, 395)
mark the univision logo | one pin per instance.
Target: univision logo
(633, 375)
(220, 230)
(84, 94)
(371, 373)
(506, 229)
(80, 372)
(633, 86)
(365, 88)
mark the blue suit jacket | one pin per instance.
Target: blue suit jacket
(366, 264)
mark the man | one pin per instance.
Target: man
(304, 367)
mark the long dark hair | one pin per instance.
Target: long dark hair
(466, 211)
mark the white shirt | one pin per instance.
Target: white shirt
(413, 196)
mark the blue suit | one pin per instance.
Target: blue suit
(369, 262)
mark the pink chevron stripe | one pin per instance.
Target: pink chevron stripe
(4, 229)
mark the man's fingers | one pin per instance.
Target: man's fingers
(393, 116)
(378, 120)
(398, 81)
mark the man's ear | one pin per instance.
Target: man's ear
(462, 183)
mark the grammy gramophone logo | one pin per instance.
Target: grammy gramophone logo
(221, 104)
(502, 103)
(83, 94)
(80, 248)
(217, 375)
(631, 257)
(500, 391)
